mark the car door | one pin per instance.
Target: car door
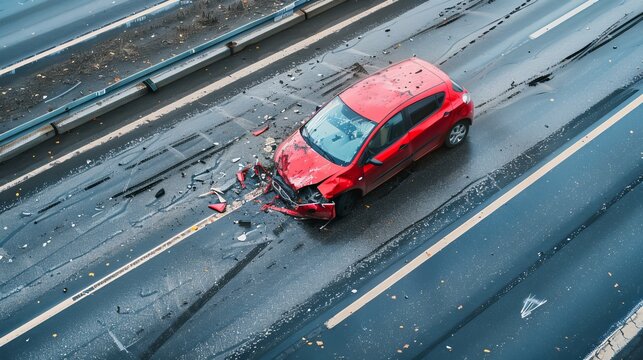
(389, 147)
(429, 120)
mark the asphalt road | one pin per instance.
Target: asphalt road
(511, 285)
(212, 295)
(29, 27)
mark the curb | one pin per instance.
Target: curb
(98, 108)
(263, 33)
(619, 338)
(158, 80)
(26, 141)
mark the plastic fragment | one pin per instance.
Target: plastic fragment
(159, 193)
(243, 223)
(241, 176)
(219, 207)
(261, 130)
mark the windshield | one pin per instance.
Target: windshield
(337, 132)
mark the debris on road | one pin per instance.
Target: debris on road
(243, 223)
(261, 131)
(159, 193)
(220, 207)
(241, 176)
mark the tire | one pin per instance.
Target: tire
(457, 134)
(345, 203)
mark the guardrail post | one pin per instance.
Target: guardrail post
(150, 85)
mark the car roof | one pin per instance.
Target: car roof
(381, 93)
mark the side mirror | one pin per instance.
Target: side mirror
(374, 161)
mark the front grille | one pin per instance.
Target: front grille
(281, 187)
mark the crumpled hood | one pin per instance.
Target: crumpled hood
(300, 165)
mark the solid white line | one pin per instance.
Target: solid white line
(125, 269)
(87, 36)
(562, 19)
(477, 218)
(207, 90)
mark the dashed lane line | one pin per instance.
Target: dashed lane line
(562, 19)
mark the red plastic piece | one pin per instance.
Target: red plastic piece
(260, 131)
(309, 211)
(241, 176)
(220, 207)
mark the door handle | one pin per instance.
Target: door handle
(446, 113)
(403, 146)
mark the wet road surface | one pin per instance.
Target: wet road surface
(511, 285)
(212, 295)
(29, 27)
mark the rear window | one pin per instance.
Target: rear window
(457, 86)
(424, 108)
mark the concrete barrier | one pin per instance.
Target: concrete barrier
(99, 108)
(319, 7)
(27, 141)
(261, 34)
(189, 66)
(160, 79)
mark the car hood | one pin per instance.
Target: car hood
(300, 165)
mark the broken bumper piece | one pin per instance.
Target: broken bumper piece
(320, 210)
(324, 211)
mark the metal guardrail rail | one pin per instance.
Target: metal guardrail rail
(143, 75)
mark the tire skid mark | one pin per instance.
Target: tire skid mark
(491, 26)
(155, 179)
(202, 300)
(516, 88)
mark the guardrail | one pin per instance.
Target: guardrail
(143, 76)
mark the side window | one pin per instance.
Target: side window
(389, 133)
(425, 107)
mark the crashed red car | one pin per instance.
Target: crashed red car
(366, 135)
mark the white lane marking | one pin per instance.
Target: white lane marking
(562, 19)
(87, 36)
(481, 215)
(204, 91)
(125, 269)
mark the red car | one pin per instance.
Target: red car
(366, 135)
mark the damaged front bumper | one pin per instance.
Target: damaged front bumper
(322, 210)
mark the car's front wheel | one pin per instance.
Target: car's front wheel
(345, 203)
(457, 134)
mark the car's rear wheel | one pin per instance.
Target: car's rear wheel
(457, 134)
(345, 203)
